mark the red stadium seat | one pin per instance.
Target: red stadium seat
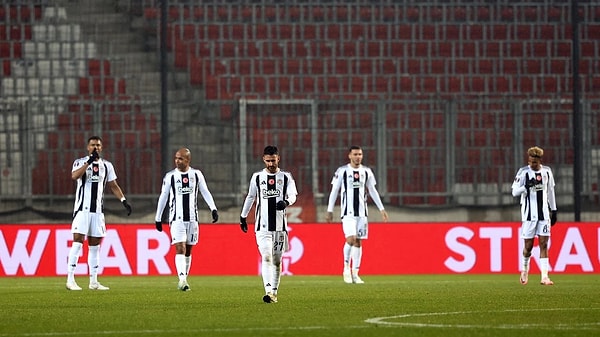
(98, 67)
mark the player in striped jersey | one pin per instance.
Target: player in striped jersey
(352, 182)
(273, 190)
(180, 188)
(92, 174)
(535, 185)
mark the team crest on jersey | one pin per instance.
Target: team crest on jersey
(280, 182)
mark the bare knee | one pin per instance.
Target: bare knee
(353, 241)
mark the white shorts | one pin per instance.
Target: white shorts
(356, 226)
(529, 229)
(275, 243)
(184, 231)
(89, 224)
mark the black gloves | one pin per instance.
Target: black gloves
(158, 226)
(530, 183)
(243, 224)
(282, 204)
(93, 157)
(127, 207)
(553, 218)
(215, 215)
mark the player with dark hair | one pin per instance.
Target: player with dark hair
(92, 174)
(535, 185)
(352, 182)
(273, 190)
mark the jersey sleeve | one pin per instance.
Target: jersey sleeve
(292, 191)
(551, 195)
(77, 163)
(371, 182)
(518, 185)
(110, 171)
(206, 195)
(250, 197)
(336, 182)
(163, 198)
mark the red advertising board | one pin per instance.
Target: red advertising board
(315, 249)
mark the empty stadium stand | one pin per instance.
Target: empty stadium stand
(450, 89)
(52, 73)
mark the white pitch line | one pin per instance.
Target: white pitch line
(381, 321)
(384, 321)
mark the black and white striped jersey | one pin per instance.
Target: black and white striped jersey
(181, 189)
(537, 201)
(352, 185)
(267, 189)
(89, 193)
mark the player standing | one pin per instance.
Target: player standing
(352, 182)
(535, 185)
(92, 174)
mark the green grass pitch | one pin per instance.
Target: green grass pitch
(408, 305)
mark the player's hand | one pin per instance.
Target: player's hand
(243, 224)
(530, 183)
(553, 218)
(215, 215)
(158, 225)
(127, 207)
(281, 205)
(93, 157)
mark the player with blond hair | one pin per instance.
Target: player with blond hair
(534, 183)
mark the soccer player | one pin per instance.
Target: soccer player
(273, 190)
(352, 182)
(535, 185)
(92, 174)
(180, 187)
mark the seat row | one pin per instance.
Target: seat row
(228, 87)
(382, 49)
(47, 50)
(55, 68)
(61, 86)
(423, 12)
(40, 32)
(16, 13)
(201, 68)
(375, 32)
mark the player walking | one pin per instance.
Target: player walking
(273, 190)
